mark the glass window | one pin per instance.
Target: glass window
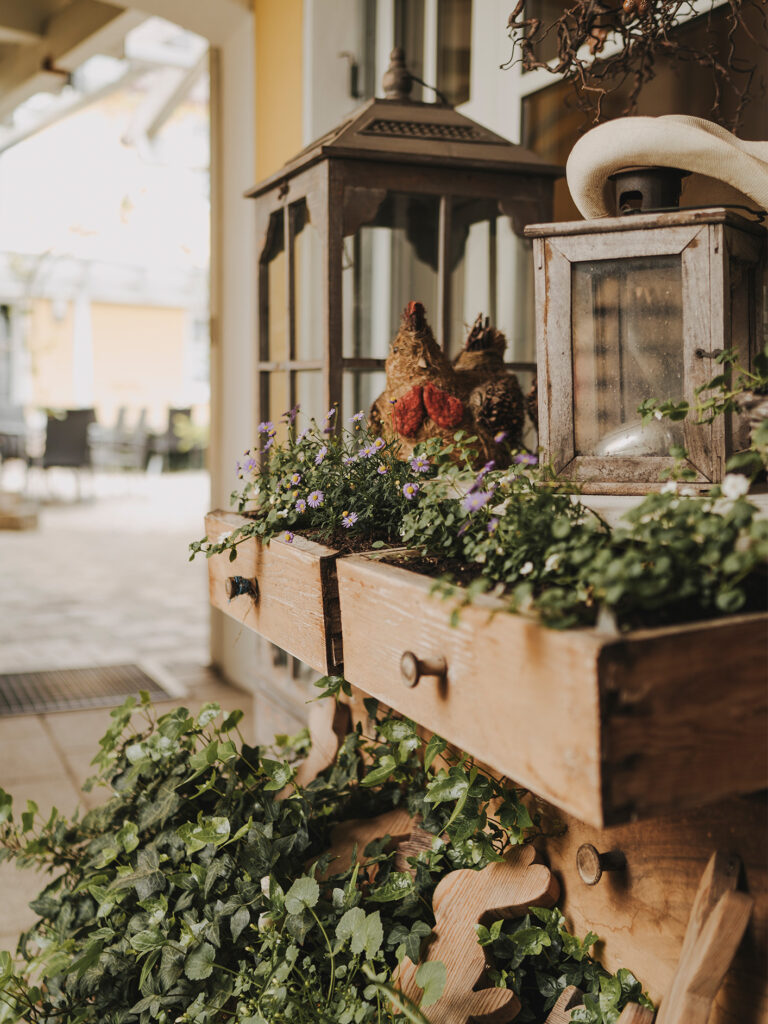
(360, 389)
(454, 42)
(626, 320)
(386, 264)
(308, 284)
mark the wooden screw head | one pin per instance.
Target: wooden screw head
(590, 864)
(413, 668)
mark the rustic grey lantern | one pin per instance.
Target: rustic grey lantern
(637, 307)
(367, 218)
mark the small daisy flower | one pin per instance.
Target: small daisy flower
(321, 454)
(501, 437)
(266, 427)
(316, 499)
(382, 470)
(474, 502)
(302, 435)
(420, 464)
(270, 442)
(526, 568)
(410, 491)
(657, 414)
(282, 513)
(734, 486)
(357, 417)
(524, 459)
(296, 479)
(348, 519)
(493, 522)
(378, 444)
(366, 453)
(291, 414)
(330, 414)
(349, 459)
(301, 505)
(288, 537)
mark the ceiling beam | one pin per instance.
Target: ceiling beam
(215, 20)
(21, 21)
(72, 35)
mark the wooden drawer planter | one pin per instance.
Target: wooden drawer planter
(609, 728)
(296, 602)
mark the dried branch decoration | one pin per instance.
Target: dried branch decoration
(643, 32)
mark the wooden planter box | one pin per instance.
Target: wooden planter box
(297, 598)
(609, 728)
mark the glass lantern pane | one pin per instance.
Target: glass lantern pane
(387, 264)
(308, 284)
(309, 395)
(627, 337)
(277, 291)
(279, 400)
(360, 389)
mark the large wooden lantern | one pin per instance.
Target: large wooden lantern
(374, 214)
(637, 307)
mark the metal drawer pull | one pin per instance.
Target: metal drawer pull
(236, 586)
(413, 668)
(590, 864)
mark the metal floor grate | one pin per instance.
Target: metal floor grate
(103, 686)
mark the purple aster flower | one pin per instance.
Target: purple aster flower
(348, 519)
(524, 459)
(321, 454)
(473, 502)
(301, 505)
(266, 427)
(349, 459)
(288, 537)
(500, 437)
(486, 469)
(291, 414)
(296, 479)
(270, 442)
(420, 464)
(493, 522)
(382, 470)
(366, 453)
(330, 414)
(316, 499)
(357, 417)
(463, 528)
(410, 491)
(378, 444)
(302, 435)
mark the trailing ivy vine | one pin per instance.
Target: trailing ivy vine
(194, 894)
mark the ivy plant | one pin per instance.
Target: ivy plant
(197, 894)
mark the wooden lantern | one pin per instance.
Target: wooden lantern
(367, 218)
(636, 307)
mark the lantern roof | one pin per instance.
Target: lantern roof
(410, 132)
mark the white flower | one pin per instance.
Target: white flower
(265, 922)
(480, 557)
(670, 487)
(282, 513)
(265, 885)
(525, 569)
(734, 486)
(552, 563)
(225, 536)
(688, 492)
(658, 415)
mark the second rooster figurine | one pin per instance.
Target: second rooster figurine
(428, 397)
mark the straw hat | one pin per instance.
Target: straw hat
(673, 140)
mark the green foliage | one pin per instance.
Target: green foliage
(339, 486)
(194, 895)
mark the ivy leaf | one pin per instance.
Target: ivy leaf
(381, 772)
(304, 893)
(435, 746)
(351, 928)
(374, 934)
(279, 773)
(239, 920)
(199, 963)
(418, 933)
(448, 786)
(431, 977)
(397, 887)
(530, 941)
(150, 938)
(146, 879)
(610, 994)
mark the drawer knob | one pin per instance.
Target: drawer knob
(236, 586)
(413, 668)
(590, 864)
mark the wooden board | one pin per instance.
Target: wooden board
(463, 899)
(609, 728)
(641, 914)
(297, 606)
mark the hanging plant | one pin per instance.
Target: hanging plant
(641, 32)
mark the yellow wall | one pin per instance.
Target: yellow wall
(279, 53)
(50, 343)
(138, 360)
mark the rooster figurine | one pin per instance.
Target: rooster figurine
(423, 397)
(494, 396)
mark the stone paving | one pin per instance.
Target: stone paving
(102, 581)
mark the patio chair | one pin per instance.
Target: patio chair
(66, 442)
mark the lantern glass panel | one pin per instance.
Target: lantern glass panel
(627, 336)
(309, 394)
(308, 283)
(277, 291)
(279, 399)
(360, 389)
(386, 264)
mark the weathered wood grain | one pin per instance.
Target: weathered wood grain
(461, 900)
(642, 914)
(297, 606)
(633, 1013)
(561, 1012)
(605, 728)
